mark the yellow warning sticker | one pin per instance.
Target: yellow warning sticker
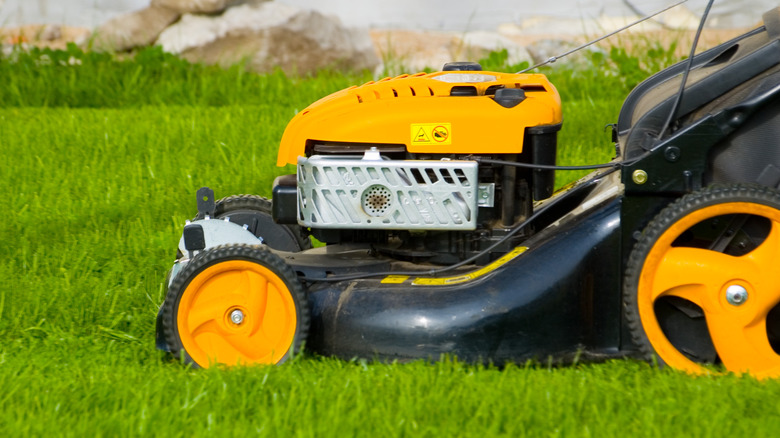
(421, 281)
(395, 279)
(431, 133)
(430, 281)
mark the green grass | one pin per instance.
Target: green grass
(73, 78)
(118, 388)
(100, 164)
(97, 198)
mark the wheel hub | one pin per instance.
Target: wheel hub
(237, 316)
(736, 295)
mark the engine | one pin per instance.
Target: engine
(396, 162)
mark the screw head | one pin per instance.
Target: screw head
(639, 176)
(672, 154)
(736, 295)
(237, 317)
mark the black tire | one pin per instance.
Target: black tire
(258, 282)
(673, 294)
(256, 212)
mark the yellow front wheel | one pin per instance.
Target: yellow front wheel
(235, 304)
(702, 285)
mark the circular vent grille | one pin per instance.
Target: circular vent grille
(376, 200)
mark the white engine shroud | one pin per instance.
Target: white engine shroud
(373, 193)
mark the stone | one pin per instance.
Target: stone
(201, 6)
(134, 29)
(411, 51)
(50, 32)
(408, 51)
(269, 36)
(544, 49)
(479, 44)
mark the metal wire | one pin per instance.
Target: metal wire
(614, 166)
(434, 272)
(576, 49)
(684, 79)
(545, 166)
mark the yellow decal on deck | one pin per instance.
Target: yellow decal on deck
(395, 279)
(446, 281)
(431, 133)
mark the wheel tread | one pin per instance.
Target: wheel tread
(262, 204)
(254, 253)
(658, 225)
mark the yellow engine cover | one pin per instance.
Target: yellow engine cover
(418, 111)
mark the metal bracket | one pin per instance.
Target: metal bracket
(206, 203)
(486, 194)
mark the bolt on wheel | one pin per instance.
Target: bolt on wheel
(235, 304)
(701, 285)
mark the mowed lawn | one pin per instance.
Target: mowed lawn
(100, 163)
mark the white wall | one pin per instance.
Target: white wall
(458, 15)
(86, 13)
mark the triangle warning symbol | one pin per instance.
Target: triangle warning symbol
(421, 136)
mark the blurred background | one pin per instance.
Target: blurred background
(380, 36)
(451, 15)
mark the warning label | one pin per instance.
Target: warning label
(423, 281)
(431, 133)
(421, 137)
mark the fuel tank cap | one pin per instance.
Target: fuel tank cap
(462, 66)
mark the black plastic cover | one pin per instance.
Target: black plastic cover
(559, 299)
(285, 199)
(462, 66)
(464, 90)
(509, 97)
(544, 147)
(194, 238)
(717, 74)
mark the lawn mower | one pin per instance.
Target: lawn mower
(433, 196)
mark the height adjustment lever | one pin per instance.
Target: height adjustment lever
(206, 203)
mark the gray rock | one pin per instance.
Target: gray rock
(50, 32)
(201, 6)
(410, 51)
(269, 36)
(479, 44)
(545, 49)
(134, 29)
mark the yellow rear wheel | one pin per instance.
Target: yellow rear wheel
(235, 304)
(702, 286)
